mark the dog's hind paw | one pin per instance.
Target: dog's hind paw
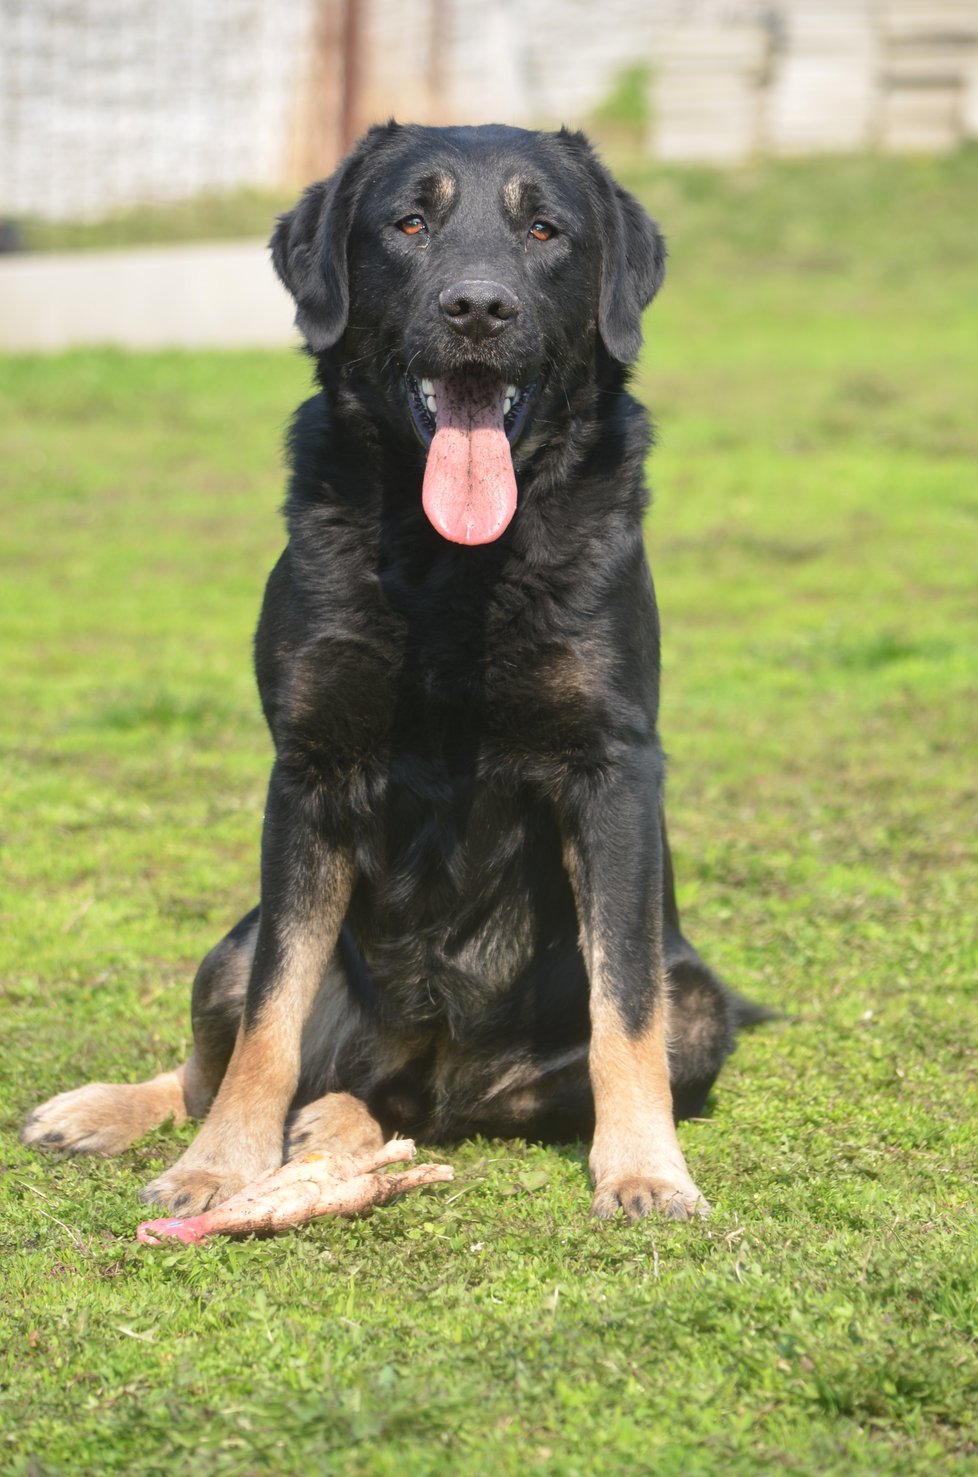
(335, 1124)
(638, 1196)
(102, 1118)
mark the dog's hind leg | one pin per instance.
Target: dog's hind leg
(217, 999)
(702, 1028)
(105, 1118)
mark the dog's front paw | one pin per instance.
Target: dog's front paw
(187, 1191)
(642, 1173)
(673, 1196)
(101, 1118)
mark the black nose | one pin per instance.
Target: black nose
(478, 309)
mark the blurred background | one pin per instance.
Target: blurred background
(126, 122)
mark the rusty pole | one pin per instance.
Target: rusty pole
(351, 60)
(437, 28)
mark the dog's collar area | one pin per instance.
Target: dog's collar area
(423, 404)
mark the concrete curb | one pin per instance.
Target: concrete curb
(217, 295)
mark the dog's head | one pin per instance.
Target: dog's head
(472, 274)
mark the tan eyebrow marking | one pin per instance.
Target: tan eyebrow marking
(514, 194)
(441, 188)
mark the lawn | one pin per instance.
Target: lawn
(815, 541)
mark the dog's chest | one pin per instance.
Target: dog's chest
(451, 701)
(441, 754)
(461, 884)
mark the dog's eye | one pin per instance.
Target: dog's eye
(413, 225)
(542, 231)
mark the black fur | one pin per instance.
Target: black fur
(463, 721)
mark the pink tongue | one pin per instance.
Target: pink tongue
(469, 483)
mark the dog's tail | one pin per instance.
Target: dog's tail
(744, 1013)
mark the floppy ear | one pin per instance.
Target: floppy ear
(633, 255)
(309, 254)
(309, 245)
(633, 264)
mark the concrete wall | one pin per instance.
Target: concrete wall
(222, 294)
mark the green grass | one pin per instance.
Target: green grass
(215, 217)
(815, 537)
(620, 122)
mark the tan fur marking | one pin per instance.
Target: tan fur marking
(526, 1077)
(513, 192)
(636, 1162)
(630, 1082)
(523, 1104)
(443, 190)
(243, 1134)
(336, 1123)
(569, 674)
(263, 1072)
(105, 1118)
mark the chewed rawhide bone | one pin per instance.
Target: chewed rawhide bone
(297, 1192)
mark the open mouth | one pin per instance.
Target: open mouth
(424, 406)
(469, 422)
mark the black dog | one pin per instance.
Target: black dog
(468, 919)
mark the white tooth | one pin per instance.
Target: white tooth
(510, 392)
(427, 388)
(432, 404)
(507, 405)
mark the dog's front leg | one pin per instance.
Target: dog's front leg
(614, 856)
(307, 880)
